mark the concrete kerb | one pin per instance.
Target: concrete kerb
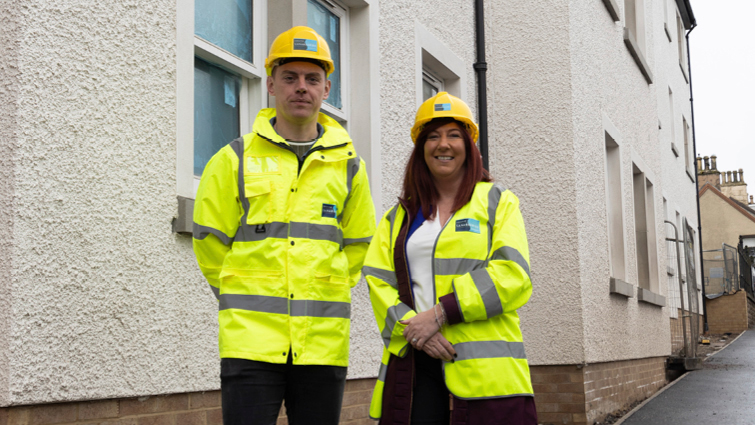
(638, 407)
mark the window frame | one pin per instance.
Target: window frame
(342, 11)
(252, 96)
(434, 58)
(436, 82)
(635, 38)
(613, 168)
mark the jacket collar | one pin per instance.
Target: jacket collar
(333, 133)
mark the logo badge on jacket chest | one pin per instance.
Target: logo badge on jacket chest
(468, 225)
(329, 210)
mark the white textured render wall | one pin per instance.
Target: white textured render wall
(107, 301)
(608, 82)
(450, 22)
(678, 188)
(9, 88)
(531, 146)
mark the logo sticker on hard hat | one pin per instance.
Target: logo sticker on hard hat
(442, 106)
(304, 44)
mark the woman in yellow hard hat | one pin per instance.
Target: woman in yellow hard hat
(447, 270)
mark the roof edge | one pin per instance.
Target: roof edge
(688, 16)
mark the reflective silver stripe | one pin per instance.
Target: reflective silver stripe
(486, 288)
(508, 253)
(392, 219)
(395, 313)
(238, 146)
(215, 291)
(489, 350)
(323, 232)
(383, 372)
(494, 196)
(247, 233)
(200, 232)
(312, 308)
(259, 303)
(352, 168)
(456, 266)
(386, 276)
(349, 241)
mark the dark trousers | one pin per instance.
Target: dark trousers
(430, 405)
(430, 401)
(253, 391)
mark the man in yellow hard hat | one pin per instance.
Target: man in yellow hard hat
(282, 221)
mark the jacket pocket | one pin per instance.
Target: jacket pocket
(259, 194)
(331, 287)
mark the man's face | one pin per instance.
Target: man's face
(299, 89)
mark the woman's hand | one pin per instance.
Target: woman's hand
(438, 347)
(420, 328)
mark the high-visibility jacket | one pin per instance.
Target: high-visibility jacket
(282, 241)
(482, 258)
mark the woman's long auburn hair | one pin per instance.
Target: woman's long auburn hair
(419, 188)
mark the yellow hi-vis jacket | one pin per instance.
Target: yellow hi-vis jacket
(281, 243)
(481, 257)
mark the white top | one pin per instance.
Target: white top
(419, 253)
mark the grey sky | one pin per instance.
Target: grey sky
(723, 79)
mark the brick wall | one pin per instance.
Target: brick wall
(175, 409)
(728, 313)
(581, 395)
(614, 386)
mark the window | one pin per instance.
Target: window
(645, 227)
(666, 27)
(430, 85)
(438, 68)
(227, 72)
(634, 35)
(615, 208)
(681, 43)
(328, 19)
(672, 122)
(687, 148)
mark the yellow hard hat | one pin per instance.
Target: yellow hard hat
(300, 42)
(444, 105)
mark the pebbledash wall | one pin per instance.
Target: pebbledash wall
(102, 301)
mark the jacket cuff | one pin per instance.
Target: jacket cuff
(451, 306)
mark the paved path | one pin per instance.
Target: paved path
(723, 392)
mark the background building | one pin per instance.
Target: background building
(728, 228)
(109, 110)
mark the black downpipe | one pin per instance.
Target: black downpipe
(482, 89)
(697, 176)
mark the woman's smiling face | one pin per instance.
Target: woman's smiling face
(445, 154)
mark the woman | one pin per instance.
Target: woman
(447, 270)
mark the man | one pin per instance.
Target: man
(282, 220)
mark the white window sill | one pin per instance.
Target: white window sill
(619, 287)
(613, 9)
(649, 297)
(668, 33)
(691, 177)
(634, 50)
(183, 223)
(674, 149)
(684, 72)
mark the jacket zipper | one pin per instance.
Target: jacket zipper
(309, 152)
